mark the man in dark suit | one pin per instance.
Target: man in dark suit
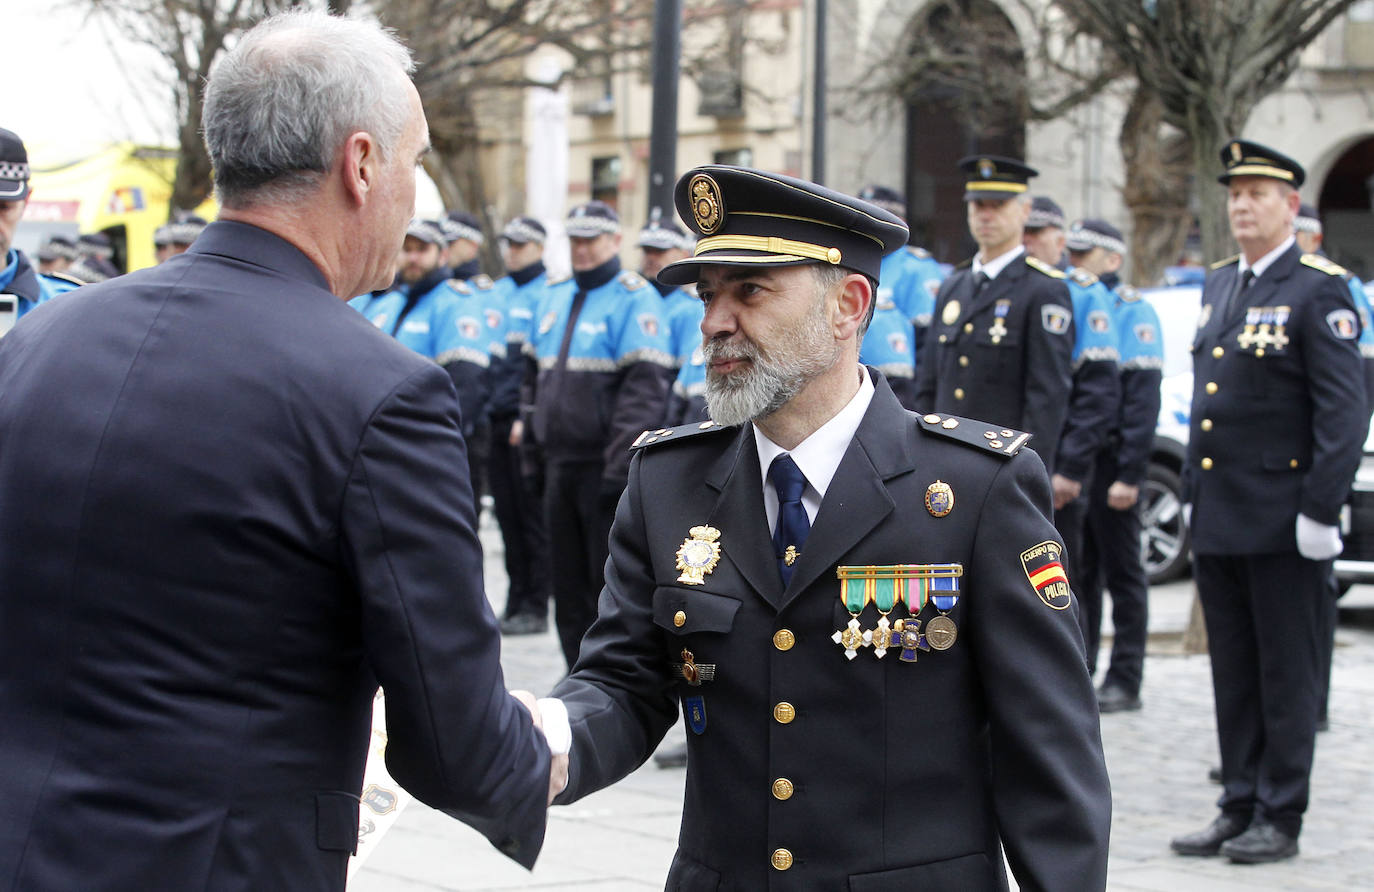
(230, 507)
(1278, 421)
(887, 693)
(1000, 344)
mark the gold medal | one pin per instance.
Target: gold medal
(941, 632)
(698, 555)
(950, 314)
(851, 638)
(939, 499)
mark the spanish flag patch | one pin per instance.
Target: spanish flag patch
(1045, 571)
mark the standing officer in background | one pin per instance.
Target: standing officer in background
(663, 242)
(890, 692)
(1044, 234)
(911, 277)
(597, 375)
(173, 238)
(1001, 345)
(518, 497)
(464, 234)
(21, 287)
(1278, 421)
(1111, 544)
(56, 255)
(260, 511)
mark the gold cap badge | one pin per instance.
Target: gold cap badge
(707, 206)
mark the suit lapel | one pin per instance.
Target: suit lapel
(745, 538)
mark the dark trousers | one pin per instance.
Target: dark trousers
(579, 522)
(1112, 559)
(1069, 521)
(1267, 630)
(520, 512)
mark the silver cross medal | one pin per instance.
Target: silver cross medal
(852, 638)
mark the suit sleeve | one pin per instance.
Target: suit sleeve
(1049, 369)
(1335, 384)
(619, 696)
(1050, 787)
(456, 739)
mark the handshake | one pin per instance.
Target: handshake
(558, 765)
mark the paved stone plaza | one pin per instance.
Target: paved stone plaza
(623, 838)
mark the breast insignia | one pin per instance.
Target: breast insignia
(1044, 267)
(1003, 442)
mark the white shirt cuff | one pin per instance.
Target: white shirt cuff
(557, 728)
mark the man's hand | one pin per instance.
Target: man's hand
(517, 432)
(1122, 496)
(1065, 490)
(558, 764)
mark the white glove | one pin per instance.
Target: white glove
(1188, 515)
(1317, 541)
(557, 728)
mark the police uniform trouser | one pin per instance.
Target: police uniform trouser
(520, 513)
(1069, 521)
(579, 524)
(1112, 559)
(1267, 627)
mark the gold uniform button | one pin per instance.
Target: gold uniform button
(679, 619)
(1292, 463)
(783, 639)
(784, 712)
(1211, 387)
(968, 328)
(958, 393)
(943, 339)
(1218, 352)
(782, 859)
(782, 789)
(1206, 424)
(963, 362)
(1206, 464)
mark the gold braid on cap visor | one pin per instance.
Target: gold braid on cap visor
(1260, 170)
(768, 244)
(994, 186)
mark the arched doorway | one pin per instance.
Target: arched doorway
(965, 93)
(1346, 207)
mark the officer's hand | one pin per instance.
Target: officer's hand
(1317, 541)
(1065, 490)
(1122, 496)
(1188, 514)
(517, 432)
(558, 764)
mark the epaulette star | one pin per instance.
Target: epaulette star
(1000, 441)
(674, 434)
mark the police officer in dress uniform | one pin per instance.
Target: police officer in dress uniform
(597, 374)
(1278, 419)
(886, 692)
(1111, 544)
(911, 277)
(21, 286)
(1001, 344)
(518, 496)
(663, 242)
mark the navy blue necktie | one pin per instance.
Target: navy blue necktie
(793, 525)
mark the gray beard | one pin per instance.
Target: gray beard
(769, 382)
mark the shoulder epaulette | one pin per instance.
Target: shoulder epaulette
(557, 280)
(1083, 277)
(922, 253)
(965, 265)
(980, 435)
(1324, 264)
(63, 277)
(482, 282)
(460, 286)
(1129, 293)
(1220, 263)
(1042, 266)
(674, 434)
(632, 280)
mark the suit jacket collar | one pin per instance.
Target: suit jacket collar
(253, 245)
(1265, 290)
(1006, 285)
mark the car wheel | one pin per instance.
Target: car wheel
(1163, 534)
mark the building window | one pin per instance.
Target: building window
(606, 180)
(741, 157)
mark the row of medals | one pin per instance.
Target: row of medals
(940, 634)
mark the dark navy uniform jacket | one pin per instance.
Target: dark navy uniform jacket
(879, 775)
(1018, 373)
(1278, 416)
(229, 507)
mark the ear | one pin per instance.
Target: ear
(361, 163)
(851, 305)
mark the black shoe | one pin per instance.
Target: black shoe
(1208, 842)
(1114, 698)
(672, 757)
(1214, 774)
(524, 624)
(1260, 844)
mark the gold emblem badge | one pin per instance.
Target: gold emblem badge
(1236, 153)
(707, 207)
(789, 557)
(698, 555)
(939, 499)
(986, 168)
(950, 314)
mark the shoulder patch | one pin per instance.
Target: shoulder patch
(632, 280)
(482, 282)
(1082, 277)
(460, 286)
(1129, 293)
(1324, 264)
(674, 434)
(1220, 263)
(1000, 441)
(914, 251)
(1044, 267)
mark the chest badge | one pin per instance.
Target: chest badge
(950, 314)
(939, 499)
(698, 555)
(998, 329)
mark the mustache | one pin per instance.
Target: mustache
(718, 349)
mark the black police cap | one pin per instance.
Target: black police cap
(1243, 158)
(1084, 235)
(1045, 211)
(14, 167)
(523, 230)
(995, 177)
(749, 217)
